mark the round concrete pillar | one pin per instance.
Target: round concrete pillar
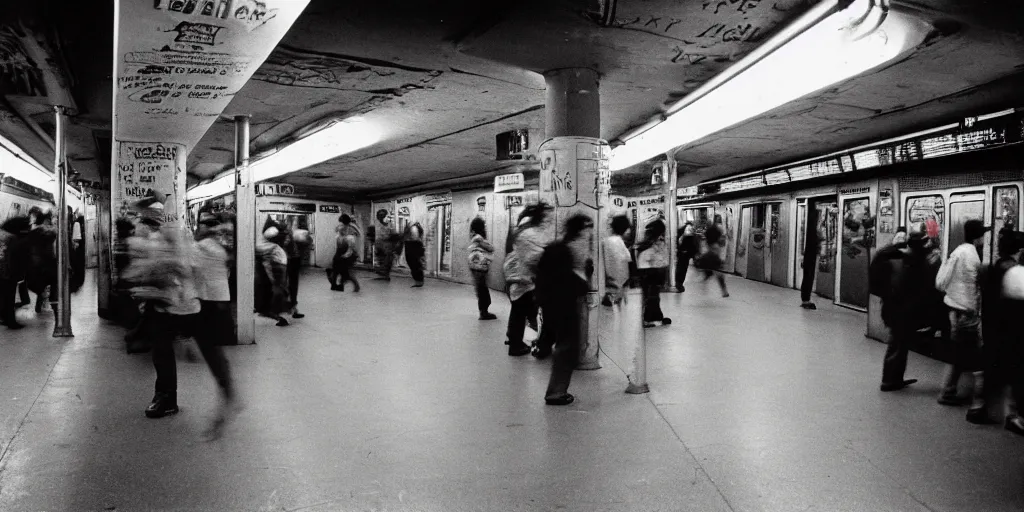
(573, 104)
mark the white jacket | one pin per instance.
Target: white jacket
(1013, 283)
(616, 260)
(958, 278)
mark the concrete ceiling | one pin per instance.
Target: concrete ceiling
(442, 78)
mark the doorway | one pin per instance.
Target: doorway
(439, 239)
(295, 221)
(858, 232)
(821, 215)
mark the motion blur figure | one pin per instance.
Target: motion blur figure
(414, 252)
(710, 262)
(272, 277)
(616, 261)
(1002, 301)
(652, 260)
(520, 274)
(165, 270)
(686, 249)
(481, 252)
(13, 234)
(296, 244)
(344, 255)
(563, 276)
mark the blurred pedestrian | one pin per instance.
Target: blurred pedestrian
(272, 277)
(710, 262)
(616, 261)
(563, 276)
(687, 248)
(958, 278)
(520, 274)
(386, 246)
(415, 252)
(652, 260)
(296, 243)
(344, 255)
(809, 264)
(481, 252)
(1002, 350)
(13, 233)
(908, 296)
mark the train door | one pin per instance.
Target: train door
(431, 243)
(757, 241)
(801, 239)
(1005, 212)
(855, 251)
(742, 228)
(295, 221)
(964, 206)
(439, 239)
(828, 234)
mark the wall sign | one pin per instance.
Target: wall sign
(281, 206)
(330, 208)
(513, 201)
(434, 199)
(275, 189)
(509, 182)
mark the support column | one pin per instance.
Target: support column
(62, 324)
(103, 256)
(245, 236)
(671, 219)
(575, 178)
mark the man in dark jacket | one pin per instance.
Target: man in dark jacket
(904, 277)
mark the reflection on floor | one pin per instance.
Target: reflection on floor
(400, 399)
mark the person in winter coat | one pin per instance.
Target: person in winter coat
(13, 234)
(903, 276)
(616, 261)
(687, 248)
(344, 255)
(1002, 302)
(652, 260)
(959, 278)
(415, 252)
(480, 254)
(520, 272)
(563, 277)
(272, 275)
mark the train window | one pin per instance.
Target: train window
(929, 210)
(1005, 212)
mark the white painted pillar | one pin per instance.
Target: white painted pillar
(245, 236)
(62, 324)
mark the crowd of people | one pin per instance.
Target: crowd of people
(28, 262)
(914, 283)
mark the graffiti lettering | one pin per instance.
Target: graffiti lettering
(741, 33)
(681, 56)
(561, 183)
(742, 6)
(201, 33)
(156, 152)
(252, 13)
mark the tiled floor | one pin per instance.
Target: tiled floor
(399, 399)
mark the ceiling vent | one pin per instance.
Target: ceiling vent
(512, 145)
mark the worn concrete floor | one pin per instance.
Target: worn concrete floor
(401, 400)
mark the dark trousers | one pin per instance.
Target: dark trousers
(342, 268)
(564, 326)
(682, 266)
(807, 285)
(162, 329)
(522, 309)
(294, 266)
(385, 259)
(651, 280)
(483, 294)
(895, 362)
(8, 290)
(414, 253)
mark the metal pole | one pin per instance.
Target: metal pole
(245, 235)
(62, 325)
(671, 220)
(633, 327)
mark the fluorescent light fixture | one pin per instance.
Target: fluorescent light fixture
(334, 139)
(22, 167)
(827, 53)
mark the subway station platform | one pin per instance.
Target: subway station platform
(399, 399)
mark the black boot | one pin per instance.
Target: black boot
(163, 405)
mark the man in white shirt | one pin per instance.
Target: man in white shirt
(958, 278)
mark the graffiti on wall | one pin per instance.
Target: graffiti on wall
(19, 73)
(147, 170)
(251, 13)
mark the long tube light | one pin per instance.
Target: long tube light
(333, 140)
(829, 52)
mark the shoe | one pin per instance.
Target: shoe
(488, 316)
(682, 288)
(666, 321)
(282, 323)
(336, 288)
(1014, 424)
(950, 400)
(162, 405)
(725, 295)
(298, 315)
(521, 350)
(649, 324)
(897, 386)
(417, 285)
(980, 417)
(606, 301)
(540, 353)
(561, 400)
(14, 326)
(808, 305)
(356, 289)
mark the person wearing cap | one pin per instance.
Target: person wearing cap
(958, 278)
(908, 295)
